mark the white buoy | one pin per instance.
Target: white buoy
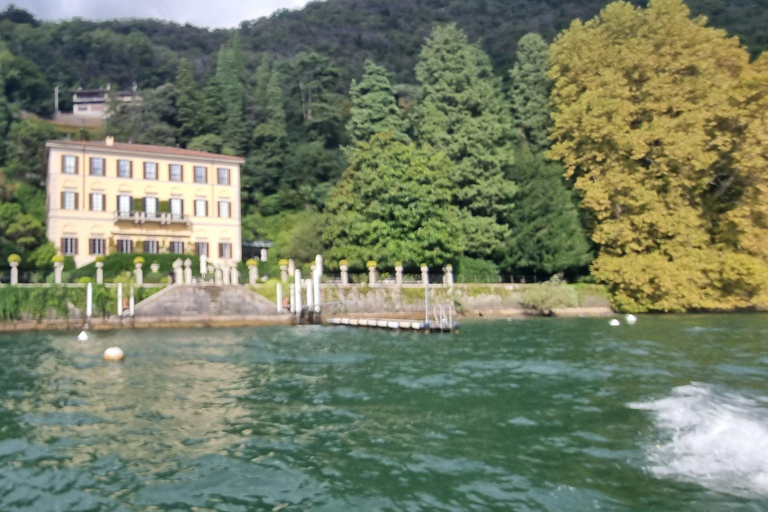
(614, 323)
(114, 354)
(631, 319)
(83, 336)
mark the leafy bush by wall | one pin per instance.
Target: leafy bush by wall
(546, 297)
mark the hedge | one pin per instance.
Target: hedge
(38, 302)
(115, 264)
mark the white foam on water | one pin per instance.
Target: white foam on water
(717, 440)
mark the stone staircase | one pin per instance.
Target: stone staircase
(197, 300)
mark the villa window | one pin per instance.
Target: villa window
(69, 246)
(223, 176)
(97, 202)
(124, 205)
(96, 246)
(175, 172)
(224, 209)
(177, 208)
(200, 174)
(125, 246)
(69, 164)
(177, 247)
(201, 208)
(225, 250)
(150, 246)
(201, 249)
(150, 207)
(97, 166)
(150, 171)
(69, 200)
(124, 169)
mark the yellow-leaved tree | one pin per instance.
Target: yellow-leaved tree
(660, 120)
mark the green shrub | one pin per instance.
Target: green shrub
(546, 297)
(14, 258)
(138, 260)
(116, 263)
(472, 270)
(83, 280)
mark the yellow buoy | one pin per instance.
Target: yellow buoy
(114, 354)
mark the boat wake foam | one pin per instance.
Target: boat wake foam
(717, 440)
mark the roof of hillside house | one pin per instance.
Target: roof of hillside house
(143, 148)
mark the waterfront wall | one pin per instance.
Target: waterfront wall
(466, 299)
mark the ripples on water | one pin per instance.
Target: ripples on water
(670, 414)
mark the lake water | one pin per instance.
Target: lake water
(529, 415)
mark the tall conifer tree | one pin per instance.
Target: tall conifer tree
(546, 233)
(229, 75)
(187, 102)
(463, 113)
(530, 91)
(374, 108)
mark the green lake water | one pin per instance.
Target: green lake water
(528, 415)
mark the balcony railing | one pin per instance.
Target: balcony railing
(139, 217)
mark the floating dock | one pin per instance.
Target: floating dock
(406, 325)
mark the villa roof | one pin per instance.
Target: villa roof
(144, 149)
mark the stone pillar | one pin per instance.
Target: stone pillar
(217, 277)
(291, 267)
(58, 267)
(399, 273)
(188, 271)
(119, 299)
(178, 271)
(284, 270)
(279, 292)
(263, 255)
(14, 272)
(99, 272)
(253, 273)
(424, 274)
(448, 274)
(344, 271)
(317, 277)
(224, 273)
(310, 295)
(371, 272)
(139, 274)
(203, 265)
(234, 275)
(297, 289)
(292, 297)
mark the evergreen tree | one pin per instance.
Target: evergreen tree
(547, 236)
(261, 81)
(530, 91)
(187, 102)
(374, 108)
(212, 110)
(263, 171)
(5, 118)
(462, 112)
(394, 204)
(229, 75)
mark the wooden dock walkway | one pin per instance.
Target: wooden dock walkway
(410, 325)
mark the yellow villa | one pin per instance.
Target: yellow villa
(107, 197)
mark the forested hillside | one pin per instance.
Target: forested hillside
(390, 32)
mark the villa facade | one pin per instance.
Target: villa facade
(107, 197)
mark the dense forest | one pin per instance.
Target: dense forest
(423, 131)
